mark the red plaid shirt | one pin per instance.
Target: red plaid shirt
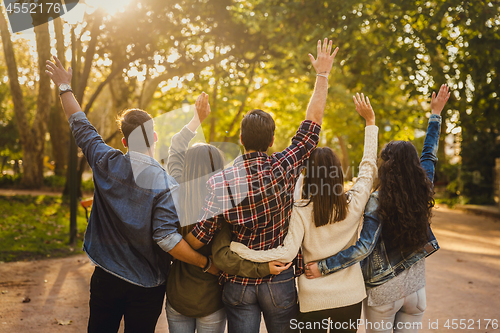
(255, 196)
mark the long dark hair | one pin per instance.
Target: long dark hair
(324, 187)
(405, 196)
(200, 162)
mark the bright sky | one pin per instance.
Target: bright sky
(76, 15)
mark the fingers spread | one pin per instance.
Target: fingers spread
(335, 52)
(58, 63)
(319, 47)
(355, 101)
(51, 64)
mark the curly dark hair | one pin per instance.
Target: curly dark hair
(405, 196)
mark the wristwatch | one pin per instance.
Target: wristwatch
(63, 88)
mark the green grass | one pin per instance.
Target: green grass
(36, 227)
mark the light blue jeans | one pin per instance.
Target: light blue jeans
(404, 315)
(178, 323)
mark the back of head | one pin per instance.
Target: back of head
(324, 187)
(130, 120)
(257, 130)
(405, 196)
(200, 162)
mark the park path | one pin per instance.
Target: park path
(463, 282)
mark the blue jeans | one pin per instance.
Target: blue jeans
(178, 323)
(277, 300)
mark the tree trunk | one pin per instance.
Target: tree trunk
(20, 110)
(89, 57)
(39, 127)
(58, 125)
(59, 137)
(32, 138)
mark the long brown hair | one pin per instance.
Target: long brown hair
(324, 187)
(200, 162)
(405, 196)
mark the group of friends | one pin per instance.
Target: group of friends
(227, 244)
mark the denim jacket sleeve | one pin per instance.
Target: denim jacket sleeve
(165, 220)
(428, 159)
(87, 138)
(363, 247)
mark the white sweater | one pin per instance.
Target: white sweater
(342, 288)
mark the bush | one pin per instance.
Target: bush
(7, 181)
(54, 182)
(88, 185)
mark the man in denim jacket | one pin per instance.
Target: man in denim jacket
(133, 223)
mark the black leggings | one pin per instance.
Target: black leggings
(112, 298)
(341, 319)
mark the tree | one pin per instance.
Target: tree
(32, 137)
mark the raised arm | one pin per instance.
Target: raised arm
(307, 136)
(428, 159)
(323, 65)
(86, 136)
(62, 80)
(231, 263)
(368, 166)
(180, 141)
(355, 253)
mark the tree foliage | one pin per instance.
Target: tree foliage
(253, 54)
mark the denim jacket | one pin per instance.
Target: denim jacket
(133, 219)
(378, 264)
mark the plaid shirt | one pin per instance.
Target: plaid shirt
(255, 196)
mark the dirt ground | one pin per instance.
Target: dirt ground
(463, 282)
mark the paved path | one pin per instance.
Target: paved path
(463, 282)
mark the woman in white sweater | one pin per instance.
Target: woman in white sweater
(323, 223)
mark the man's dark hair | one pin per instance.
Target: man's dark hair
(130, 119)
(257, 130)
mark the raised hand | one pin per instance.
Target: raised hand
(276, 267)
(57, 72)
(312, 270)
(364, 108)
(437, 103)
(202, 108)
(324, 62)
